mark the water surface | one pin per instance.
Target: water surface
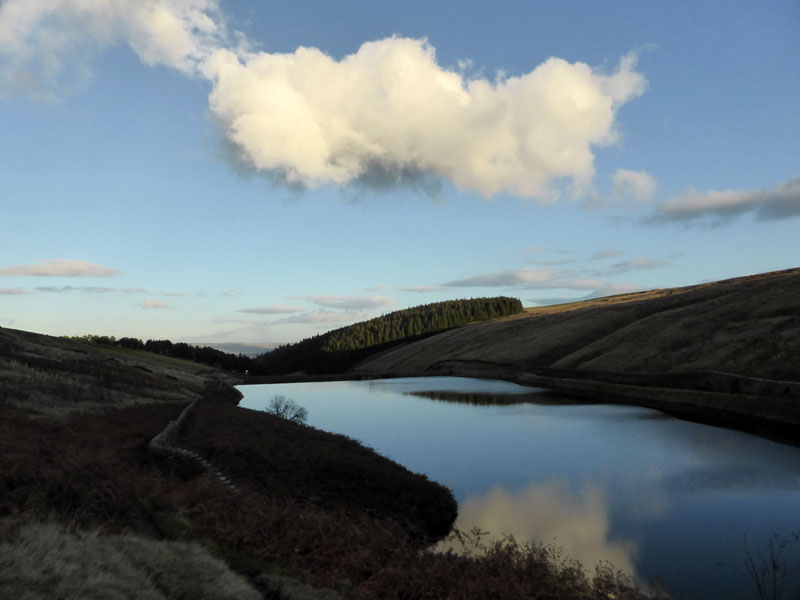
(658, 497)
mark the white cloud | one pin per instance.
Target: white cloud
(274, 309)
(60, 267)
(390, 106)
(149, 304)
(513, 278)
(386, 113)
(46, 45)
(348, 302)
(12, 291)
(780, 202)
(633, 185)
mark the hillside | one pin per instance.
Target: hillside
(747, 326)
(339, 349)
(53, 375)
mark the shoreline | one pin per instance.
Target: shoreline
(769, 412)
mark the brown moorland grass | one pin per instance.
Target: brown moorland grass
(747, 326)
(57, 376)
(281, 458)
(46, 561)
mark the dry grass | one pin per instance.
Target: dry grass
(57, 377)
(748, 326)
(46, 561)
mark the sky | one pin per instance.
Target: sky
(222, 171)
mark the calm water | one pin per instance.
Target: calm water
(658, 497)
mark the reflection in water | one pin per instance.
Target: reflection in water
(497, 399)
(578, 523)
(467, 398)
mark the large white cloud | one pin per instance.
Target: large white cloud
(391, 107)
(388, 112)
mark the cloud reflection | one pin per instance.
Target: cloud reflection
(577, 522)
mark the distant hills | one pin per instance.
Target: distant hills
(746, 326)
(251, 350)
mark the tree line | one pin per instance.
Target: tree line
(205, 354)
(337, 350)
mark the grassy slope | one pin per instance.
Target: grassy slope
(748, 326)
(58, 376)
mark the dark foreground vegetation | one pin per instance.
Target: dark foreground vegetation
(338, 350)
(307, 506)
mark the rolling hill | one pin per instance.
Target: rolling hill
(746, 326)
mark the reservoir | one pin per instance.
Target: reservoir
(665, 500)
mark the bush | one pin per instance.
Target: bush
(286, 408)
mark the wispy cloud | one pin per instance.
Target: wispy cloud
(88, 289)
(634, 264)
(60, 267)
(606, 253)
(390, 114)
(779, 202)
(12, 291)
(46, 46)
(379, 287)
(638, 186)
(548, 279)
(348, 302)
(274, 309)
(150, 304)
(512, 278)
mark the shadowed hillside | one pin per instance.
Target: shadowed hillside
(746, 326)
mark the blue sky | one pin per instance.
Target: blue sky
(179, 169)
